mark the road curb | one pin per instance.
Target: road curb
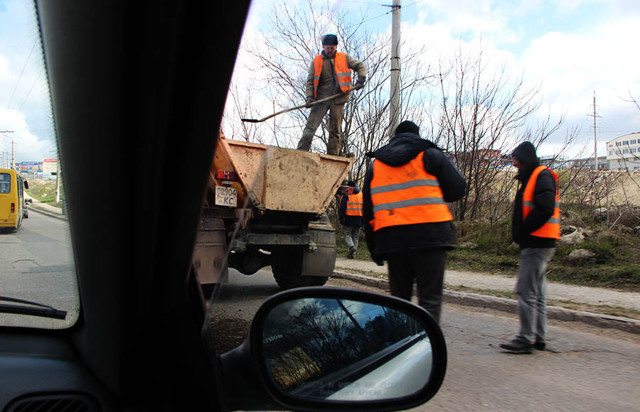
(46, 212)
(511, 306)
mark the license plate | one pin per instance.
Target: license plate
(226, 196)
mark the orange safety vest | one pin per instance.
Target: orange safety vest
(354, 205)
(406, 195)
(343, 73)
(551, 228)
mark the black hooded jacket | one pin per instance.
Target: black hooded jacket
(544, 200)
(403, 148)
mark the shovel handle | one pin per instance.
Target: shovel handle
(302, 106)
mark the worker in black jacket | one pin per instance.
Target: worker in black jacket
(535, 227)
(406, 219)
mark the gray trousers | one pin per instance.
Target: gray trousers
(318, 111)
(531, 289)
(351, 234)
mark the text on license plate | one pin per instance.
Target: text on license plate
(226, 196)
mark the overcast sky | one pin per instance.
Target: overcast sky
(572, 48)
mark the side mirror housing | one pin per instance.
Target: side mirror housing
(336, 349)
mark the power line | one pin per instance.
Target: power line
(21, 72)
(382, 14)
(29, 93)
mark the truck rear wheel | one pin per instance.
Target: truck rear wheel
(300, 281)
(287, 269)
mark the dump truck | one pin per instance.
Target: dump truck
(266, 206)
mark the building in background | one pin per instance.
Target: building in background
(623, 153)
(587, 163)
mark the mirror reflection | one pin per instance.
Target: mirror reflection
(345, 350)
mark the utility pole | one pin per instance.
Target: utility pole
(595, 141)
(13, 155)
(394, 102)
(12, 165)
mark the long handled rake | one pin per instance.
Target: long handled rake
(302, 106)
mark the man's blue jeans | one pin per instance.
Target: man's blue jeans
(351, 234)
(531, 293)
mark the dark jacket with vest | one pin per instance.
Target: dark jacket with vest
(345, 219)
(403, 148)
(544, 200)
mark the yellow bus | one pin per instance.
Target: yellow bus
(12, 187)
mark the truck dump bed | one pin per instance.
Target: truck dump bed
(278, 179)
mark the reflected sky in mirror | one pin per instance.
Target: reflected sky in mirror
(345, 350)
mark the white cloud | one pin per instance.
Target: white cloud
(572, 67)
(26, 145)
(24, 99)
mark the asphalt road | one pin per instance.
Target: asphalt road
(585, 369)
(36, 264)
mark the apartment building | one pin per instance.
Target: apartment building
(623, 153)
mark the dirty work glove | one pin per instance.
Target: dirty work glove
(310, 101)
(360, 83)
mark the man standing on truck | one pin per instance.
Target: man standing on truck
(329, 74)
(535, 226)
(406, 220)
(350, 213)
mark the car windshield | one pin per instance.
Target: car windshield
(489, 66)
(38, 286)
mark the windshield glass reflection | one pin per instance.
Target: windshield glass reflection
(345, 350)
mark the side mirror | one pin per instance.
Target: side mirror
(339, 349)
(26, 184)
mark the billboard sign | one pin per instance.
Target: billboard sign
(29, 166)
(50, 165)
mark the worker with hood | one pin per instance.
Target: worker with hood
(535, 226)
(406, 218)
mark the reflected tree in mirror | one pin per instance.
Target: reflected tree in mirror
(345, 350)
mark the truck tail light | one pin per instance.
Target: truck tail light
(13, 208)
(225, 175)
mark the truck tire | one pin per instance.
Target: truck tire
(315, 280)
(287, 271)
(300, 281)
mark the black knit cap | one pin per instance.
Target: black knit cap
(330, 40)
(408, 127)
(526, 153)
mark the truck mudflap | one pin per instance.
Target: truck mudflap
(319, 259)
(210, 251)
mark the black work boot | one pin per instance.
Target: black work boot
(352, 253)
(518, 346)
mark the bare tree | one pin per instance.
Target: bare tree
(283, 58)
(474, 113)
(482, 113)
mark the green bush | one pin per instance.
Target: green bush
(488, 237)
